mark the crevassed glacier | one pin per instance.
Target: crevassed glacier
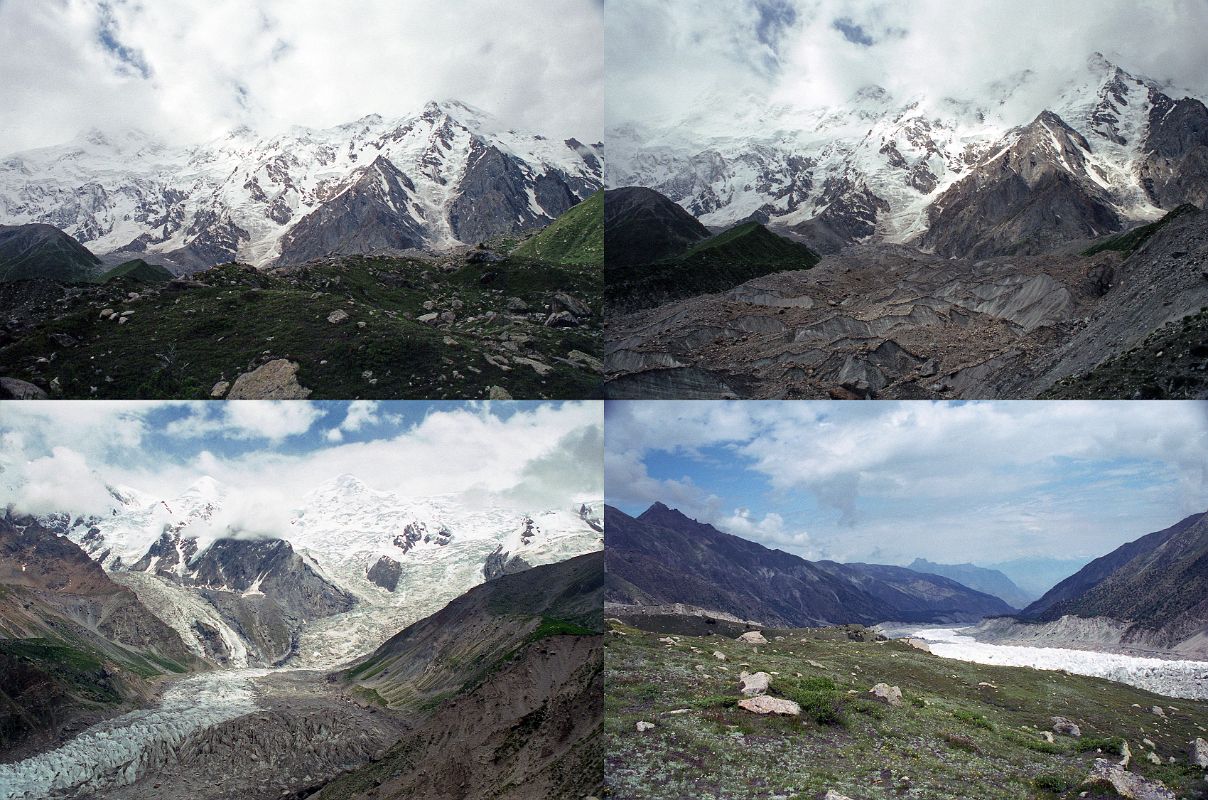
(1173, 678)
(119, 751)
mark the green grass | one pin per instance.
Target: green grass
(136, 271)
(1128, 242)
(551, 626)
(576, 237)
(722, 262)
(963, 734)
(180, 344)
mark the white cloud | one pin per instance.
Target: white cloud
(192, 69)
(709, 60)
(273, 420)
(62, 480)
(895, 480)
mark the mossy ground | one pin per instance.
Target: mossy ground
(963, 730)
(180, 344)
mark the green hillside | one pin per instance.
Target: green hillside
(29, 252)
(576, 237)
(721, 262)
(1128, 242)
(137, 270)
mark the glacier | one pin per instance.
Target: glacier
(1170, 677)
(119, 751)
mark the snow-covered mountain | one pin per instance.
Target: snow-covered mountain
(885, 167)
(449, 174)
(352, 567)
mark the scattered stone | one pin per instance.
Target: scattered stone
(1149, 743)
(63, 340)
(429, 305)
(645, 726)
(1153, 757)
(498, 393)
(762, 704)
(919, 644)
(562, 319)
(362, 324)
(516, 304)
(1126, 755)
(121, 320)
(588, 361)
(1065, 727)
(1159, 711)
(127, 313)
(719, 655)
(753, 637)
(107, 312)
(220, 389)
(337, 316)
(1127, 784)
(754, 684)
(275, 380)
(831, 794)
(678, 711)
(428, 319)
(1048, 736)
(890, 695)
(448, 317)
(539, 367)
(484, 257)
(14, 389)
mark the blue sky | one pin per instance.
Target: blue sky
(64, 454)
(888, 482)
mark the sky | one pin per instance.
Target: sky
(532, 456)
(667, 60)
(190, 70)
(887, 482)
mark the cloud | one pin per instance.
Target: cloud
(947, 481)
(526, 455)
(714, 61)
(273, 420)
(192, 69)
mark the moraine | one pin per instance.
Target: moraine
(1173, 678)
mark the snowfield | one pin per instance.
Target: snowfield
(121, 750)
(1184, 679)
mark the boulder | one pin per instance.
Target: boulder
(337, 316)
(13, 389)
(762, 704)
(498, 393)
(1125, 783)
(566, 302)
(1158, 709)
(831, 794)
(753, 637)
(753, 684)
(719, 655)
(63, 339)
(890, 695)
(644, 726)
(516, 304)
(1199, 753)
(276, 380)
(1065, 727)
(220, 389)
(562, 319)
(428, 319)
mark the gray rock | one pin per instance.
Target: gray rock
(644, 726)
(276, 380)
(428, 319)
(562, 319)
(1065, 727)
(762, 704)
(1127, 784)
(385, 573)
(563, 301)
(890, 695)
(754, 684)
(220, 389)
(498, 393)
(14, 389)
(753, 637)
(337, 316)
(516, 304)
(1199, 753)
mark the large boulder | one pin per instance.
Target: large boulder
(1065, 727)
(1199, 753)
(276, 380)
(1125, 783)
(754, 684)
(13, 389)
(762, 704)
(753, 637)
(890, 695)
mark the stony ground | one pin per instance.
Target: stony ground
(962, 730)
(457, 327)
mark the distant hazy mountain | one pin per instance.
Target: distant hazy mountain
(1035, 576)
(990, 581)
(663, 558)
(1158, 584)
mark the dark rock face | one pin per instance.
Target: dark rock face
(850, 215)
(990, 581)
(170, 554)
(642, 226)
(385, 573)
(43, 252)
(1159, 583)
(371, 215)
(1175, 165)
(1033, 196)
(663, 558)
(499, 563)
